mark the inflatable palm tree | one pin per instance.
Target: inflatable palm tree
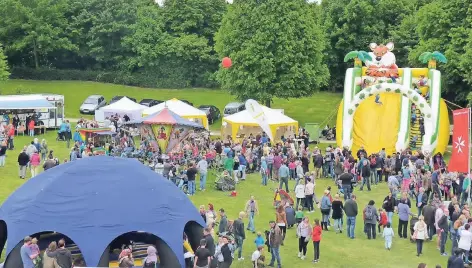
(358, 56)
(432, 58)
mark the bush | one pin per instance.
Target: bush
(160, 77)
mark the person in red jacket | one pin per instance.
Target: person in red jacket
(11, 135)
(31, 128)
(316, 237)
(382, 219)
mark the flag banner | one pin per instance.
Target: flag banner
(460, 141)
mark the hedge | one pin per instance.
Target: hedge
(163, 78)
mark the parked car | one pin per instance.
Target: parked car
(117, 98)
(188, 102)
(150, 102)
(234, 107)
(212, 112)
(92, 103)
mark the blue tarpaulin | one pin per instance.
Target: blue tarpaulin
(93, 201)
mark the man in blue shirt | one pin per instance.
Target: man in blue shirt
(26, 253)
(421, 201)
(242, 165)
(264, 138)
(284, 174)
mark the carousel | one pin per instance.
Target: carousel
(171, 135)
(100, 138)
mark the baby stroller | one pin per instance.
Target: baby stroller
(182, 182)
(224, 182)
(413, 221)
(61, 136)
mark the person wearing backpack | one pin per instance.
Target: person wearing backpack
(370, 218)
(365, 173)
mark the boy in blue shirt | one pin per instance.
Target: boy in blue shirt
(259, 240)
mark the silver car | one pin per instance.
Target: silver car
(233, 107)
(92, 103)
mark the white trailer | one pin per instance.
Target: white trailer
(48, 107)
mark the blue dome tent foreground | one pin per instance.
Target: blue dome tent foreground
(93, 201)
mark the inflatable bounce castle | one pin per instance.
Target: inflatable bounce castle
(393, 108)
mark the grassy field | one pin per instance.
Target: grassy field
(337, 251)
(315, 109)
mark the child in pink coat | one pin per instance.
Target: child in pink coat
(35, 161)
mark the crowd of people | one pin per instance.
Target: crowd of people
(439, 197)
(56, 255)
(428, 198)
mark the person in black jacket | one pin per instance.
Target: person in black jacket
(455, 261)
(443, 228)
(23, 160)
(210, 242)
(429, 213)
(389, 206)
(226, 252)
(365, 175)
(64, 256)
(3, 152)
(346, 179)
(239, 234)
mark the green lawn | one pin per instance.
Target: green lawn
(314, 109)
(337, 250)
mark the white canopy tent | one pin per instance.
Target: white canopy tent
(182, 109)
(122, 107)
(242, 123)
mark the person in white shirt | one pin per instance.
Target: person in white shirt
(465, 241)
(310, 195)
(202, 167)
(257, 258)
(299, 175)
(437, 216)
(300, 194)
(106, 122)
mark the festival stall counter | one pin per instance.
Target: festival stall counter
(122, 107)
(180, 108)
(242, 124)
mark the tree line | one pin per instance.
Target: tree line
(279, 48)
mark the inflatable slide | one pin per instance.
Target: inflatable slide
(393, 108)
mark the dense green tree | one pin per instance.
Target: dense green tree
(352, 25)
(100, 27)
(4, 74)
(276, 47)
(444, 25)
(33, 28)
(176, 40)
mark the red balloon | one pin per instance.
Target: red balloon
(226, 62)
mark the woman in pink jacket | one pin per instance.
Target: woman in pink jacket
(35, 161)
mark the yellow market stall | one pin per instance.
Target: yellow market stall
(182, 109)
(242, 124)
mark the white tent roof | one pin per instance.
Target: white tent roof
(123, 105)
(273, 117)
(179, 107)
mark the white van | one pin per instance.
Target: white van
(49, 107)
(234, 107)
